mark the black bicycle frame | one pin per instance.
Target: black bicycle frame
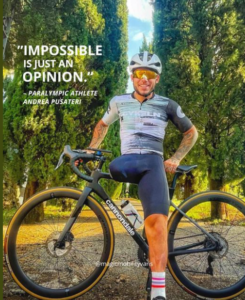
(95, 187)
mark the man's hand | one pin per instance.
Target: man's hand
(99, 133)
(188, 141)
(78, 161)
(171, 165)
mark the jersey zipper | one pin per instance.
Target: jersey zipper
(141, 103)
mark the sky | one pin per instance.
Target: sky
(139, 23)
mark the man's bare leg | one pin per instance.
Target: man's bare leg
(156, 233)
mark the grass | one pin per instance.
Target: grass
(50, 211)
(7, 215)
(201, 212)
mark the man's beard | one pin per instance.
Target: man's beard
(143, 94)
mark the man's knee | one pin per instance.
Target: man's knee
(156, 224)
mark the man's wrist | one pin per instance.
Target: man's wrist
(175, 159)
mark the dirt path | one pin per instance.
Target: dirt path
(120, 282)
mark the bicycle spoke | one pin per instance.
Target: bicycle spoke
(86, 231)
(187, 230)
(233, 267)
(225, 261)
(229, 228)
(78, 262)
(82, 242)
(29, 253)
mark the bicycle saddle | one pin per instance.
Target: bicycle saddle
(185, 169)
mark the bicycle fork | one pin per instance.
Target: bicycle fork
(60, 243)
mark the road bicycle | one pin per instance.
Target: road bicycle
(68, 251)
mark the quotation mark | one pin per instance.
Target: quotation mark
(20, 47)
(89, 74)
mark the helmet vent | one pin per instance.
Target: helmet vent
(141, 55)
(149, 56)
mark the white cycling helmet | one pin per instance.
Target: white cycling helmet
(146, 60)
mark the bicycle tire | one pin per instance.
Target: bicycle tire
(48, 273)
(216, 274)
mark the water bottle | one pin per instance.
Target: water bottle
(132, 214)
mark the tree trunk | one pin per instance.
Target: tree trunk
(218, 210)
(188, 186)
(37, 214)
(6, 30)
(66, 205)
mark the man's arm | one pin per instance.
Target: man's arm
(99, 134)
(188, 141)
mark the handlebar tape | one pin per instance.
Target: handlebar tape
(76, 170)
(75, 156)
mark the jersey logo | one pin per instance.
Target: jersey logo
(141, 114)
(180, 113)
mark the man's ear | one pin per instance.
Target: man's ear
(157, 78)
(132, 78)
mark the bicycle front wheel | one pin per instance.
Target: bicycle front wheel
(67, 272)
(217, 273)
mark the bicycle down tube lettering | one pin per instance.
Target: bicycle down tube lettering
(117, 213)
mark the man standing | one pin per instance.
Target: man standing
(143, 118)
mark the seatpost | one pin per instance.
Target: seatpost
(173, 186)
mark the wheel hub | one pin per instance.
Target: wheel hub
(222, 247)
(51, 245)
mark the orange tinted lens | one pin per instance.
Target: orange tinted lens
(144, 74)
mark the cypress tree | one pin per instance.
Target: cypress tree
(35, 135)
(201, 44)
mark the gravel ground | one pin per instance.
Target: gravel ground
(124, 282)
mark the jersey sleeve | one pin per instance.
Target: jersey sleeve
(111, 115)
(176, 115)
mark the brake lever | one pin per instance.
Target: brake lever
(61, 160)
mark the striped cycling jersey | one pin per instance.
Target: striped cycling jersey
(142, 125)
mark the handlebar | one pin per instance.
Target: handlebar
(86, 157)
(75, 156)
(97, 156)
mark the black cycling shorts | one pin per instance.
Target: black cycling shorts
(146, 170)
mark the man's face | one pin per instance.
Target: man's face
(143, 85)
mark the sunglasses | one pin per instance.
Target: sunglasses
(144, 74)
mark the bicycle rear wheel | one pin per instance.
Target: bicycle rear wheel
(48, 273)
(217, 274)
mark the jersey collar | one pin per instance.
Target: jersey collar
(132, 95)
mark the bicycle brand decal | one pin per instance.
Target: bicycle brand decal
(117, 213)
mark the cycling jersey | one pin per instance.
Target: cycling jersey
(142, 125)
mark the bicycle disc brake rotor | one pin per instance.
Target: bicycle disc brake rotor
(54, 251)
(223, 246)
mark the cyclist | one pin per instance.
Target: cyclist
(143, 118)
